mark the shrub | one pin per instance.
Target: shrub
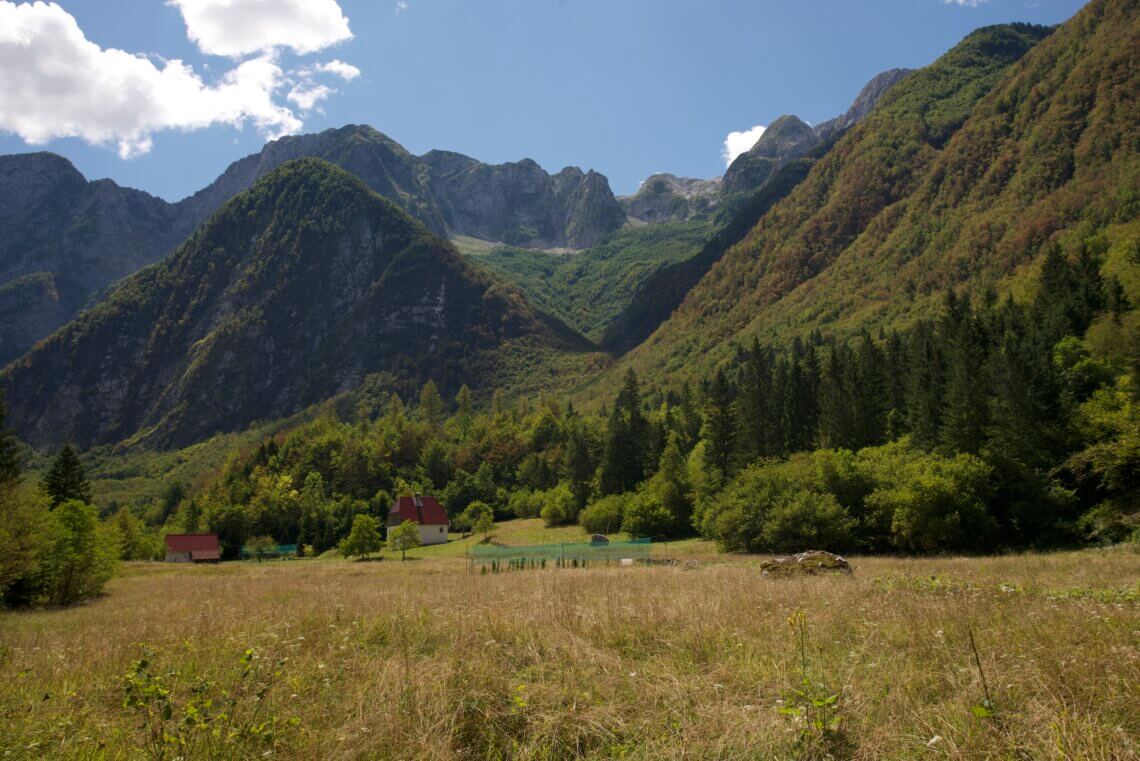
(806, 520)
(604, 516)
(559, 506)
(646, 516)
(364, 538)
(525, 504)
(936, 504)
(80, 556)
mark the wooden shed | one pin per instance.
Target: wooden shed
(192, 548)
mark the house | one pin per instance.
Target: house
(424, 510)
(192, 548)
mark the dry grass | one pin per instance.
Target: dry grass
(421, 660)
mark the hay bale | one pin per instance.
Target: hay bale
(808, 563)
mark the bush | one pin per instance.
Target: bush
(805, 520)
(80, 556)
(525, 504)
(559, 506)
(935, 504)
(604, 516)
(646, 516)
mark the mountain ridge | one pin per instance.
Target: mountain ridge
(297, 290)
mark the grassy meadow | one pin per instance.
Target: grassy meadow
(423, 660)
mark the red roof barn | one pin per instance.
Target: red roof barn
(192, 548)
(424, 510)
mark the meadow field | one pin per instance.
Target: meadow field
(320, 659)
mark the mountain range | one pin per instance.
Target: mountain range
(322, 261)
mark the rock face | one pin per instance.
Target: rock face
(810, 563)
(785, 139)
(790, 138)
(294, 292)
(64, 239)
(517, 203)
(520, 204)
(867, 99)
(665, 197)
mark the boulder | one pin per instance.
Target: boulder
(807, 563)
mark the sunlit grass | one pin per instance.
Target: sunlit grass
(422, 659)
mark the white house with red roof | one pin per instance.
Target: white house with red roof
(424, 511)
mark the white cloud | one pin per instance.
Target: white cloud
(964, 3)
(740, 142)
(239, 27)
(307, 95)
(345, 71)
(55, 83)
(401, 6)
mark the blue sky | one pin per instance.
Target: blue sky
(627, 87)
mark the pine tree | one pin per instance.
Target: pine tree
(624, 460)
(463, 403)
(66, 480)
(924, 386)
(431, 405)
(758, 424)
(720, 424)
(965, 411)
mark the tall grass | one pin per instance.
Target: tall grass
(423, 660)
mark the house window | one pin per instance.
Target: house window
(441, 529)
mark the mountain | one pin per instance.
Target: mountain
(863, 104)
(452, 194)
(64, 239)
(663, 291)
(297, 290)
(588, 289)
(751, 186)
(963, 175)
(789, 137)
(665, 197)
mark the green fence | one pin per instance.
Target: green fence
(594, 552)
(281, 550)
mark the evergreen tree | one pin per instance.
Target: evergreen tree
(924, 386)
(66, 479)
(720, 424)
(758, 425)
(624, 461)
(965, 413)
(463, 403)
(431, 405)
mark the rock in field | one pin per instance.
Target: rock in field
(807, 563)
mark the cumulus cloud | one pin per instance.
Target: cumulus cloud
(740, 142)
(307, 95)
(55, 83)
(345, 71)
(237, 28)
(401, 6)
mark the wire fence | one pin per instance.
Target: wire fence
(593, 552)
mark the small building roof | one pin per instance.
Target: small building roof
(420, 509)
(198, 544)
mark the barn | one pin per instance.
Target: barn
(423, 510)
(192, 548)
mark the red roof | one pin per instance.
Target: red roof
(199, 544)
(419, 509)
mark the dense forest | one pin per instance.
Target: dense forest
(999, 424)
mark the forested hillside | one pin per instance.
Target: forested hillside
(960, 179)
(297, 290)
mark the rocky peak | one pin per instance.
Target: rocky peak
(663, 197)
